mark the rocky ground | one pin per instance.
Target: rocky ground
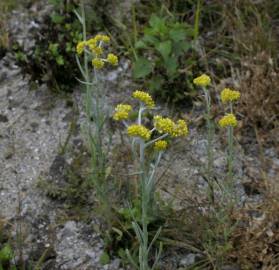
(34, 126)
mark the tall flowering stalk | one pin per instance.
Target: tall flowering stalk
(229, 121)
(91, 58)
(142, 139)
(203, 81)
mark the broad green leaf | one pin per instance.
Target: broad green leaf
(56, 18)
(154, 21)
(142, 67)
(180, 48)
(186, 46)
(60, 60)
(150, 38)
(104, 259)
(53, 48)
(158, 24)
(121, 253)
(178, 34)
(69, 47)
(164, 48)
(6, 253)
(190, 32)
(140, 44)
(156, 83)
(171, 65)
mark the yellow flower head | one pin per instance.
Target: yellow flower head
(98, 37)
(144, 97)
(105, 38)
(228, 120)
(91, 43)
(139, 131)
(228, 95)
(112, 59)
(122, 112)
(80, 47)
(97, 50)
(97, 63)
(160, 145)
(163, 125)
(166, 125)
(180, 129)
(202, 80)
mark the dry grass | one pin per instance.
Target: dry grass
(256, 240)
(260, 93)
(251, 26)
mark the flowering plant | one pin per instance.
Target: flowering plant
(94, 51)
(204, 81)
(229, 121)
(143, 138)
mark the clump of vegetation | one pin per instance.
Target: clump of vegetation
(6, 256)
(138, 222)
(91, 57)
(51, 59)
(160, 58)
(146, 164)
(6, 253)
(243, 46)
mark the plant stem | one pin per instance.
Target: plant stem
(86, 71)
(230, 155)
(210, 132)
(197, 20)
(145, 197)
(95, 116)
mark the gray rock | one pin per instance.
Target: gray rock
(188, 260)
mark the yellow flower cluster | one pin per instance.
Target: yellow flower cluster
(228, 95)
(139, 131)
(103, 38)
(160, 145)
(122, 112)
(166, 125)
(95, 47)
(80, 47)
(97, 51)
(112, 59)
(180, 129)
(202, 80)
(163, 125)
(91, 43)
(228, 120)
(98, 63)
(144, 97)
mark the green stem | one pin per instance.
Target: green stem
(157, 139)
(145, 197)
(210, 133)
(86, 71)
(94, 112)
(230, 156)
(197, 20)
